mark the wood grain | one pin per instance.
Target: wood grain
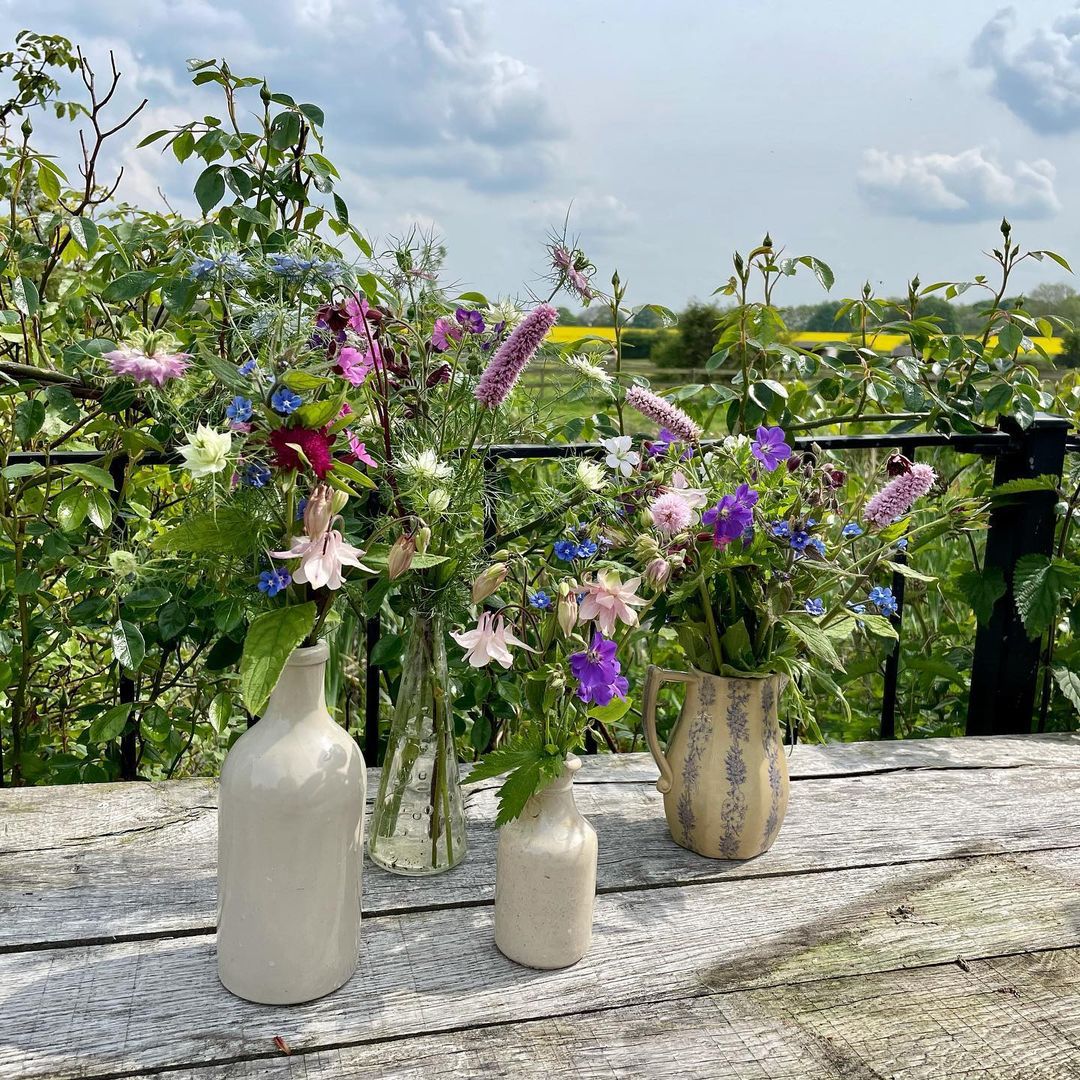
(1011, 1018)
(161, 878)
(106, 1009)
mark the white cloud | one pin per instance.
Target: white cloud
(969, 186)
(593, 217)
(1040, 80)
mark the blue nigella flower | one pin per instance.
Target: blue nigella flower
(780, 529)
(799, 540)
(566, 550)
(248, 367)
(230, 265)
(851, 530)
(817, 544)
(239, 409)
(301, 506)
(585, 549)
(540, 599)
(284, 401)
(256, 475)
(272, 582)
(289, 267)
(815, 607)
(883, 600)
(330, 270)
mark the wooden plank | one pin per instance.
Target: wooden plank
(1010, 1018)
(44, 817)
(106, 1009)
(161, 879)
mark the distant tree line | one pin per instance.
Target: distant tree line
(690, 344)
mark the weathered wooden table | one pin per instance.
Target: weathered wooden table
(918, 917)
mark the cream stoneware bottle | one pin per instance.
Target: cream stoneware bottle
(545, 879)
(290, 843)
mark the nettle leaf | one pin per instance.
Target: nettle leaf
(503, 760)
(1069, 684)
(1002, 492)
(128, 645)
(270, 641)
(982, 591)
(818, 643)
(906, 571)
(1038, 584)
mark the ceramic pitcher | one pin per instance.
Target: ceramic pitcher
(290, 825)
(724, 773)
(545, 879)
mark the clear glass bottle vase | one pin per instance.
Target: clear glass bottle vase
(418, 821)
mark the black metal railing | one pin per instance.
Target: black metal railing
(1005, 662)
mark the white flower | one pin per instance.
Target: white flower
(591, 475)
(424, 466)
(123, 563)
(505, 311)
(207, 451)
(620, 457)
(734, 443)
(594, 373)
(438, 501)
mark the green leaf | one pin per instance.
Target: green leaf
(1038, 584)
(270, 641)
(501, 761)
(128, 286)
(172, 620)
(29, 416)
(226, 531)
(1009, 339)
(1069, 684)
(24, 296)
(49, 183)
(228, 615)
(27, 582)
(982, 591)
(736, 647)
(209, 188)
(85, 233)
(227, 372)
(814, 638)
(149, 596)
(352, 474)
(614, 710)
(100, 508)
(110, 724)
(183, 145)
(387, 650)
(906, 571)
(314, 114)
(221, 708)
(71, 508)
(285, 130)
(24, 468)
(1001, 493)
(92, 474)
(316, 414)
(128, 645)
(304, 381)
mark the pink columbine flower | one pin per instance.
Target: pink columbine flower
(608, 599)
(489, 640)
(322, 558)
(671, 514)
(150, 367)
(513, 355)
(898, 496)
(694, 497)
(663, 413)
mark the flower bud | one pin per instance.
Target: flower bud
(657, 572)
(319, 511)
(401, 556)
(567, 612)
(338, 501)
(423, 538)
(438, 501)
(488, 581)
(834, 477)
(897, 465)
(646, 547)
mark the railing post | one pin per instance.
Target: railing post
(1005, 665)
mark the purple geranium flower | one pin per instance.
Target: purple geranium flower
(598, 673)
(769, 447)
(732, 515)
(470, 319)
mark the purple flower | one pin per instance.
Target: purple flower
(732, 515)
(444, 333)
(566, 550)
(769, 447)
(249, 367)
(239, 409)
(898, 496)
(272, 582)
(585, 549)
(883, 600)
(284, 401)
(661, 444)
(513, 355)
(256, 475)
(817, 544)
(540, 600)
(598, 673)
(470, 319)
(780, 529)
(662, 412)
(799, 540)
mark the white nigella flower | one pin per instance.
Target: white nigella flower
(591, 475)
(594, 373)
(123, 563)
(424, 466)
(505, 311)
(621, 457)
(734, 443)
(438, 502)
(207, 451)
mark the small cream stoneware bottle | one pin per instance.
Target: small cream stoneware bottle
(545, 879)
(290, 843)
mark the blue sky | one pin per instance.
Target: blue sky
(886, 139)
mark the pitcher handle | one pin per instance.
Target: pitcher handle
(653, 678)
